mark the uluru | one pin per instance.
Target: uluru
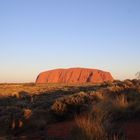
(74, 75)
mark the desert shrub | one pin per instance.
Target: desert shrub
(23, 95)
(71, 105)
(132, 112)
(133, 96)
(136, 110)
(22, 104)
(42, 113)
(128, 83)
(8, 101)
(100, 95)
(43, 101)
(29, 84)
(35, 120)
(123, 108)
(136, 83)
(74, 100)
(59, 108)
(108, 83)
(34, 124)
(10, 119)
(115, 88)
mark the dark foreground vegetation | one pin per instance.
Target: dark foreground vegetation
(99, 111)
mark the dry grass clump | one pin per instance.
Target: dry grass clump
(16, 124)
(121, 101)
(100, 95)
(27, 113)
(89, 129)
(99, 123)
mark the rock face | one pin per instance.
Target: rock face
(74, 75)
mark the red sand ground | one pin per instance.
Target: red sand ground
(132, 130)
(60, 130)
(63, 129)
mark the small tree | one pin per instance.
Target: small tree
(137, 75)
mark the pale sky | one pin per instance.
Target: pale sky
(39, 35)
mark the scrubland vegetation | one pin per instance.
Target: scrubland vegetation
(99, 111)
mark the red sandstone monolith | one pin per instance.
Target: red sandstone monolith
(74, 75)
